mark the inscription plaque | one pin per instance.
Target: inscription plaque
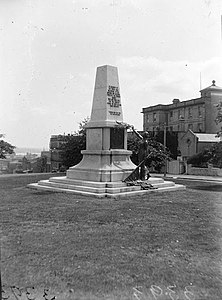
(113, 96)
(117, 138)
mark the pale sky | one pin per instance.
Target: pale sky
(49, 52)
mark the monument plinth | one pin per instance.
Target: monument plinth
(106, 158)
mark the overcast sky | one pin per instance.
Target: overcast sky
(49, 52)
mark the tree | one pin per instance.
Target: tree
(171, 141)
(71, 154)
(213, 156)
(219, 113)
(5, 148)
(42, 164)
(82, 129)
(73, 146)
(158, 154)
(216, 156)
(219, 119)
(200, 159)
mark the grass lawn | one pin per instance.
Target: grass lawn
(159, 246)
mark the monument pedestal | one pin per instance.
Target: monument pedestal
(103, 166)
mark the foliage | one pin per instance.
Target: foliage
(42, 164)
(200, 159)
(73, 146)
(219, 114)
(156, 149)
(171, 141)
(219, 118)
(216, 157)
(82, 124)
(71, 154)
(5, 148)
(212, 155)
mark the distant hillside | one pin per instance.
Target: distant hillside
(24, 150)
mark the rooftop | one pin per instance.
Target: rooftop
(213, 86)
(207, 137)
(177, 103)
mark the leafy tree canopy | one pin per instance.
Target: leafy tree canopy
(171, 141)
(219, 113)
(82, 130)
(216, 156)
(158, 154)
(71, 154)
(213, 155)
(200, 159)
(5, 148)
(42, 164)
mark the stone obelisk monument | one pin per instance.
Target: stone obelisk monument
(106, 158)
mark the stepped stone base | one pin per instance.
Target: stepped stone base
(103, 189)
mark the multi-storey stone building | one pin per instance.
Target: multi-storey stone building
(196, 114)
(55, 145)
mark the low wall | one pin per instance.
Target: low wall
(210, 171)
(175, 167)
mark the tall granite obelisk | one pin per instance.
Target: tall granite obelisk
(106, 158)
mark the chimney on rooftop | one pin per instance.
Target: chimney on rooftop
(176, 101)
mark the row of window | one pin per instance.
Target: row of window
(176, 113)
(148, 117)
(194, 127)
(181, 113)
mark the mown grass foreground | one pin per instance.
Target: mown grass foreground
(159, 246)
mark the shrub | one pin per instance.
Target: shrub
(216, 158)
(212, 156)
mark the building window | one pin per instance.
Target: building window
(200, 127)
(189, 113)
(199, 111)
(154, 117)
(171, 114)
(190, 126)
(147, 118)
